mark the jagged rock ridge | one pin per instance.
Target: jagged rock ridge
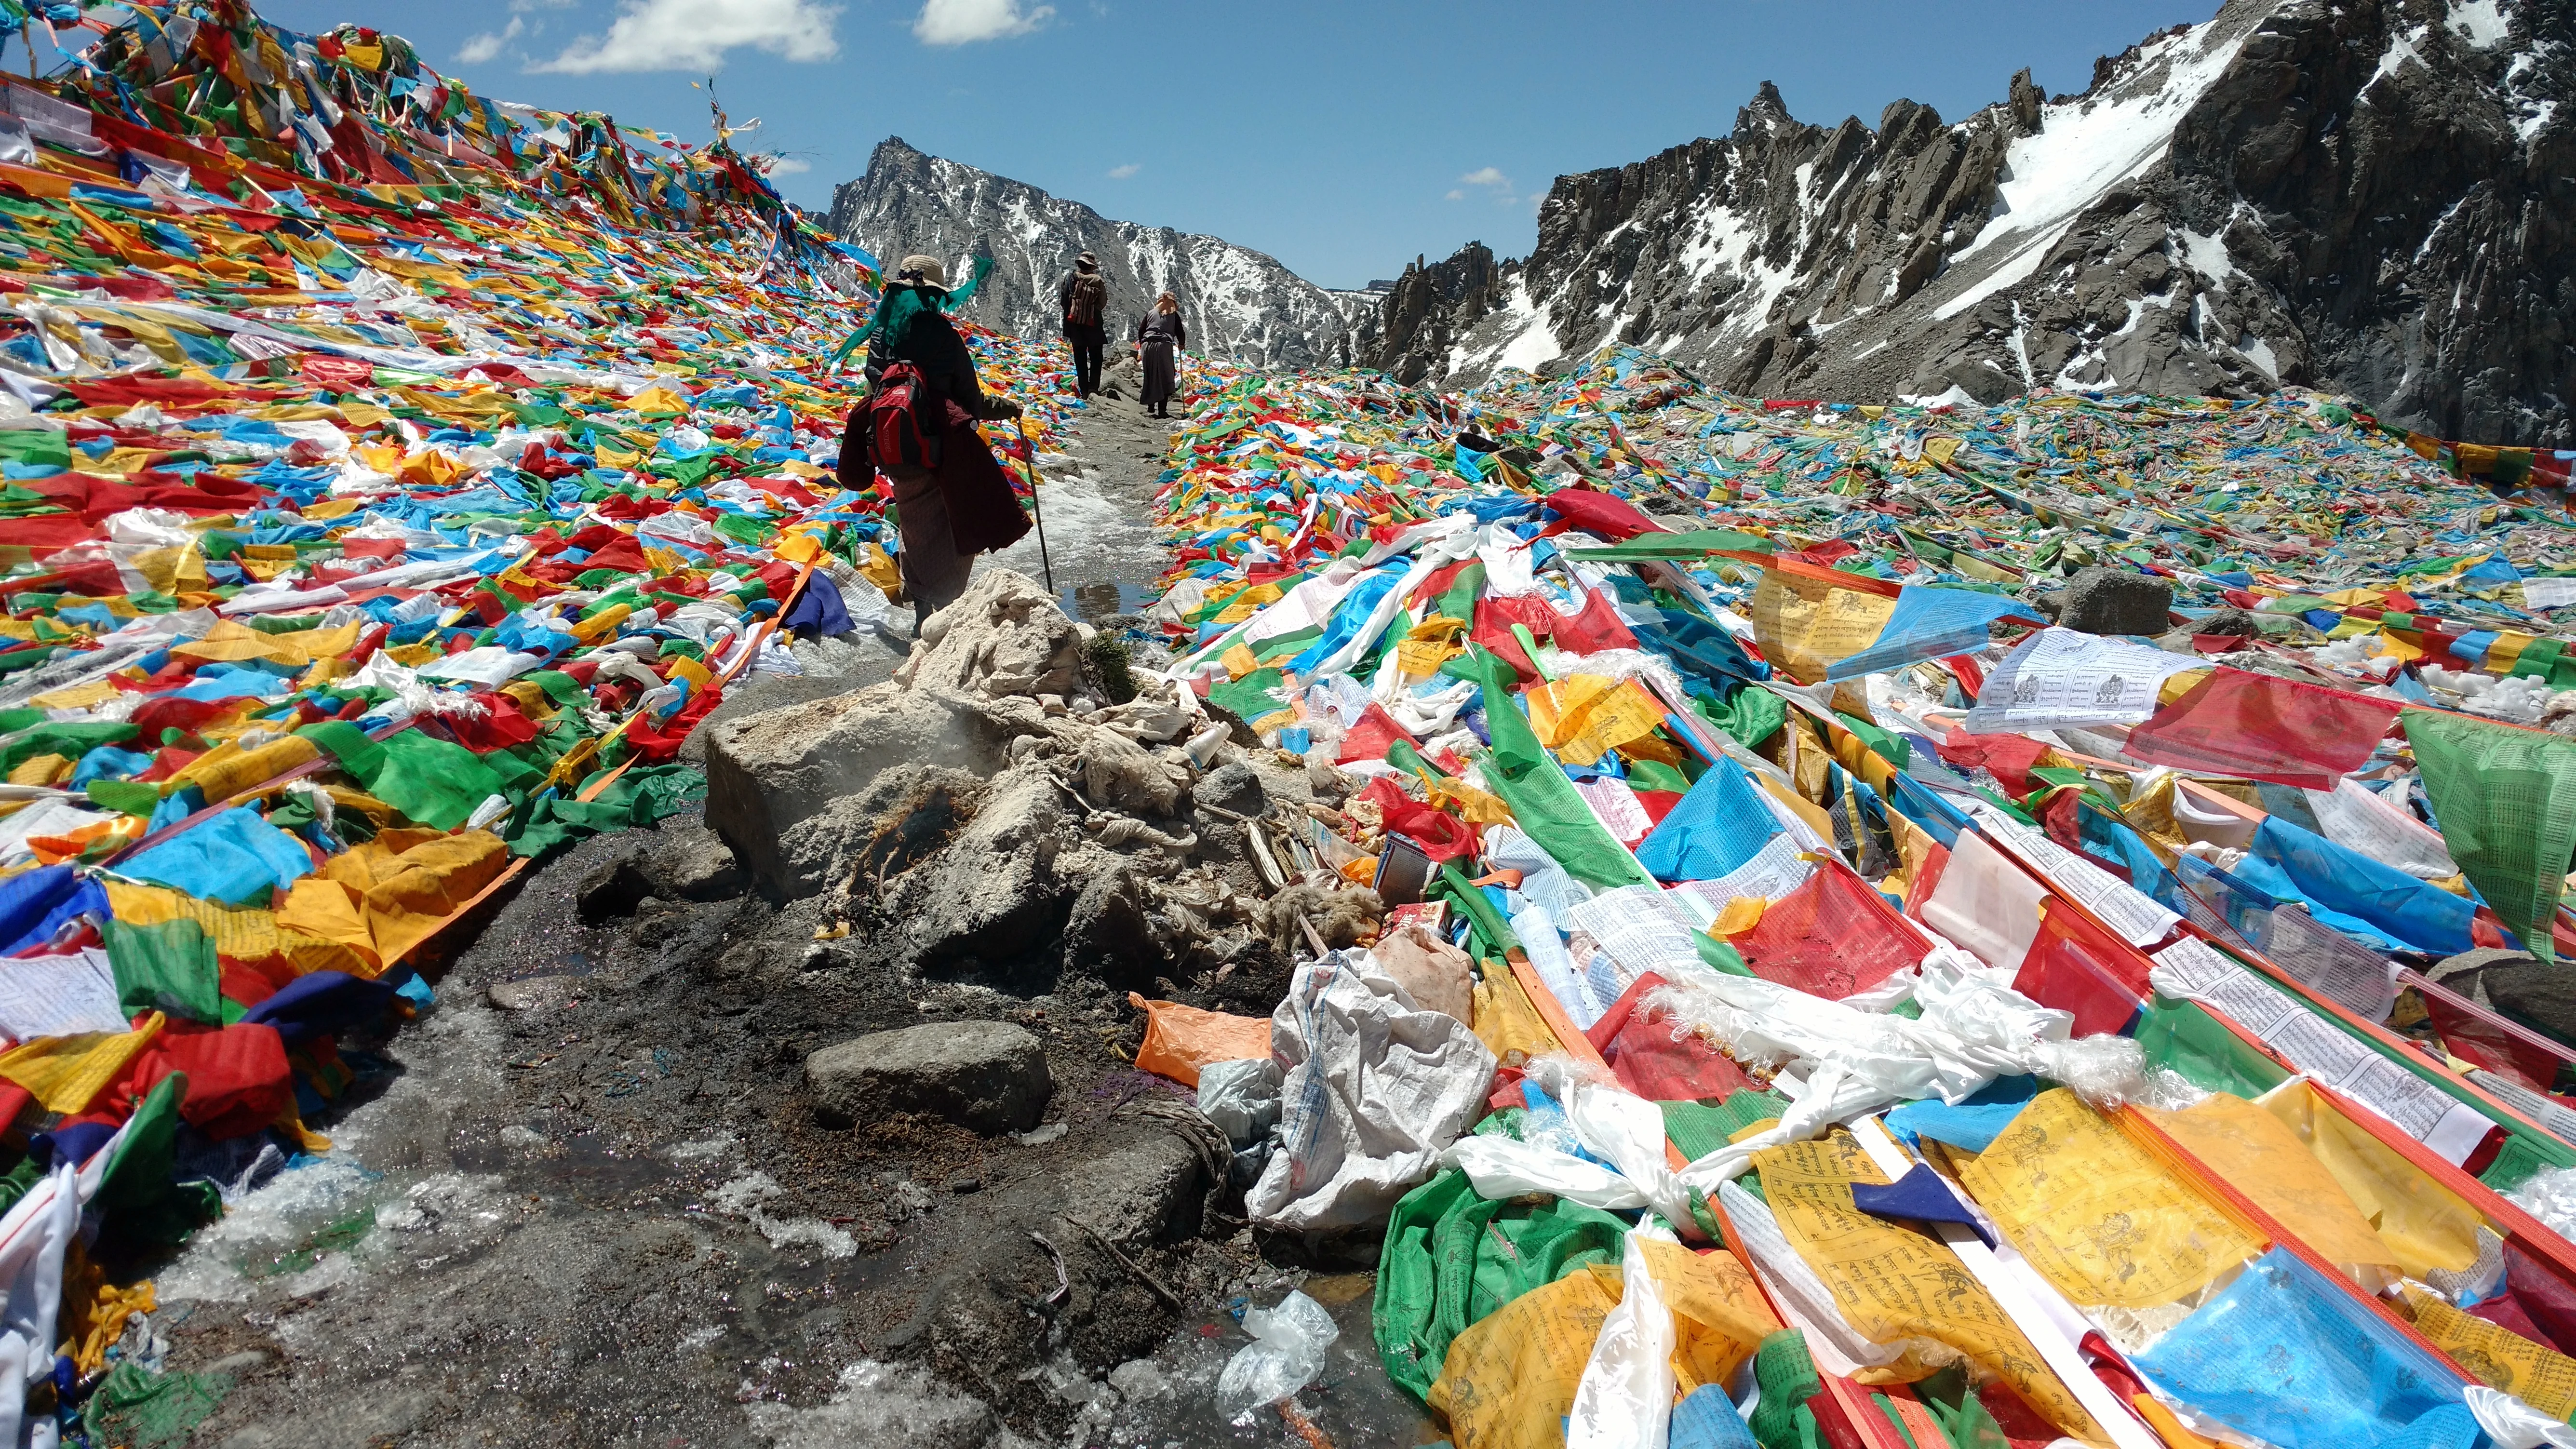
(1239, 303)
(2373, 196)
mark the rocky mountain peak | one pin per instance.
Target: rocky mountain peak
(2371, 197)
(1237, 302)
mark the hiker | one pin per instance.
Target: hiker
(917, 426)
(1083, 296)
(1159, 340)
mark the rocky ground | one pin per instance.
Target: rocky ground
(651, 1172)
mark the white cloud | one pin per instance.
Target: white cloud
(481, 48)
(788, 166)
(695, 34)
(522, 7)
(1456, 195)
(1121, 173)
(963, 22)
(1487, 176)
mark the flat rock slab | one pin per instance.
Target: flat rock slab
(988, 1076)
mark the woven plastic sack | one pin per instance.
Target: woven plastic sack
(2289, 1358)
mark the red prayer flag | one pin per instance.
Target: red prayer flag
(2262, 727)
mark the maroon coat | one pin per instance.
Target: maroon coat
(983, 513)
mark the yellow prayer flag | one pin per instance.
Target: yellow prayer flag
(65, 1073)
(2095, 1213)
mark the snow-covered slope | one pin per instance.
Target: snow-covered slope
(2374, 197)
(1237, 302)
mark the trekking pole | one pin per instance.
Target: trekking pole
(1028, 446)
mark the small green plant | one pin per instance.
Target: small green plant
(1104, 660)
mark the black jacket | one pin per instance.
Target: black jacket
(1162, 327)
(931, 343)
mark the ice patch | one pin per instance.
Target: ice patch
(705, 1147)
(2259, 352)
(1954, 396)
(2084, 146)
(878, 1403)
(2401, 49)
(2014, 271)
(2208, 256)
(1534, 342)
(747, 1198)
(2480, 22)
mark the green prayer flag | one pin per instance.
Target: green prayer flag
(1451, 1258)
(125, 797)
(170, 967)
(137, 1197)
(2506, 800)
(639, 797)
(1543, 802)
(438, 783)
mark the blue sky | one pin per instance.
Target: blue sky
(1342, 138)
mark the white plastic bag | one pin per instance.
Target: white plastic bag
(2514, 1424)
(1286, 1354)
(1625, 1397)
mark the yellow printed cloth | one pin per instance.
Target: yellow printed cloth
(2257, 1154)
(1804, 624)
(383, 898)
(2095, 1213)
(2423, 1225)
(2494, 1355)
(1510, 1378)
(66, 1073)
(1894, 1284)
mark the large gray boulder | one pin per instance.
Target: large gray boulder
(769, 773)
(994, 893)
(1003, 636)
(2116, 601)
(989, 1076)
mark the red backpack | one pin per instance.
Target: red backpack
(898, 438)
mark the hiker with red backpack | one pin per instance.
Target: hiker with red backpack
(952, 499)
(1083, 296)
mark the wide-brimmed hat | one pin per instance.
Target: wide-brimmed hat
(929, 267)
(1086, 260)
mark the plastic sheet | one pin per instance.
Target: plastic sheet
(2284, 1356)
(1286, 1354)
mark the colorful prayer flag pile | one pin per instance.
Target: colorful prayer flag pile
(1937, 1024)
(390, 479)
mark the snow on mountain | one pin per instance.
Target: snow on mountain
(1238, 302)
(2373, 197)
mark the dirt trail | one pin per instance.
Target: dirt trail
(1106, 552)
(584, 1201)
